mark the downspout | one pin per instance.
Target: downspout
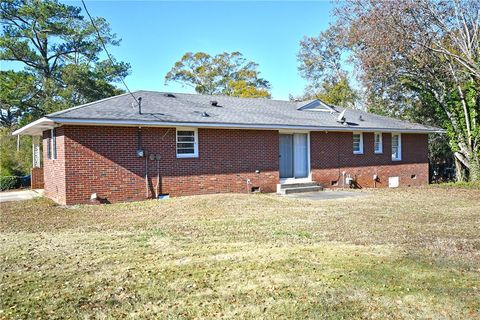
(140, 148)
(146, 177)
(157, 157)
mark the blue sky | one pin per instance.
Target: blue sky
(156, 34)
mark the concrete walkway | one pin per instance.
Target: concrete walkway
(20, 195)
(327, 195)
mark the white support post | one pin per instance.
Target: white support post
(36, 152)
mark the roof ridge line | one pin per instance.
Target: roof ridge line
(224, 96)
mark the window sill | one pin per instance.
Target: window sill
(358, 152)
(187, 156)
(378, 152)
(396, 159)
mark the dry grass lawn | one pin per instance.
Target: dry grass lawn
(403, 254)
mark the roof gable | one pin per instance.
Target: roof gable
(317, 105)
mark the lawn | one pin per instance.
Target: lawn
(396, 254)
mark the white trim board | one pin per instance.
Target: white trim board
(295, 180)
(30, 128)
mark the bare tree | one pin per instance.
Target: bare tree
(422, 54)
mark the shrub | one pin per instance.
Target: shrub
(13, 162)
(9, 182)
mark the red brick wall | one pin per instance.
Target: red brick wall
(54, 169)
(37, 178)
(102, 160)
(332, 154)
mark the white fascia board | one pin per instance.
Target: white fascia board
(139, 123)
(36, 127)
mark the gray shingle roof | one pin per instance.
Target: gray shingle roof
(195, 109)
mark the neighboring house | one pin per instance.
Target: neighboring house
(185, 144)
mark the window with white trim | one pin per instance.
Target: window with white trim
(378, 142)
(187, 143)
(49, 145)
(358, 143)
(396, 146)
(53, 135)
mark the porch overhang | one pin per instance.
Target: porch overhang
(36, 127)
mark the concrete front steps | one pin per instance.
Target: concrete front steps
(289, 188)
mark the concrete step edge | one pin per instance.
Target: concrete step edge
(301, 189)
(298, 185)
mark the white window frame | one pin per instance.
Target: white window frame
(49, 145)
(399, 158)
(195, 143)
(379, 134)
(53, 141)
(361, 143)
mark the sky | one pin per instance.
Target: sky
(156, 34)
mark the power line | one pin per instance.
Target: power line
(108, 53)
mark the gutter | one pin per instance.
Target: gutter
(42, 123)
(49, 122)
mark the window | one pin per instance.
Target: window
(187, 143)
(396, 146)
(53, 134)
(378, 142)
(49, 145)
(358, 143)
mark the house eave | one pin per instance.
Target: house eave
(36, 127)
(139, 123)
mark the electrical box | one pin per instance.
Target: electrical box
(393, 182)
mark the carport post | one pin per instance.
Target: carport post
(36, 162)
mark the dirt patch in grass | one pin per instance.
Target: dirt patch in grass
(407, 253)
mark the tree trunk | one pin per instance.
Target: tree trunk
(460, 174)
(474, 168)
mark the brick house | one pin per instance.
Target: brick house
(121, 149)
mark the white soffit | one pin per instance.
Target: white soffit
(35, 128)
